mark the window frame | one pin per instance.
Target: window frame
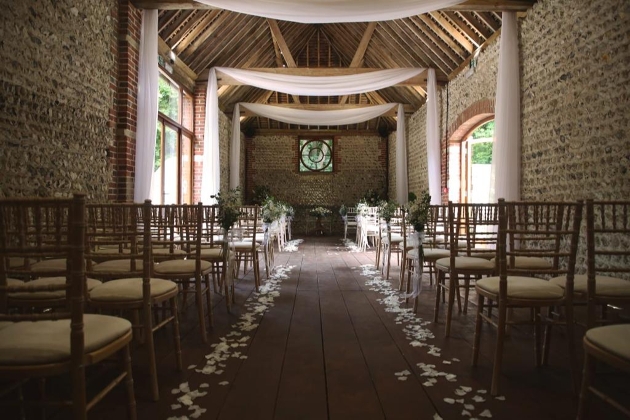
(182, 132)
(308, 139)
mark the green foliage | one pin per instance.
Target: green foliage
(229, 207)
(418, 212)
(343, 211)
(482, 153)
(168, 99)
(320, 212)
(411, 197)
(372, 198)
(387, 209)
(484, 131)
(260, 194)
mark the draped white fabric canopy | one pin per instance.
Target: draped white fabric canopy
(332, 11)
(148, 75)
(506, 149)
(296, 85)
(433, 140)
(309, 117)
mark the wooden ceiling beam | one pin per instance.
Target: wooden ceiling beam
(284, 48)
(493, 5)
(454, 31)
(358, 55)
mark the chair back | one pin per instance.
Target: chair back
(548, 230)
(482, 226)
(249, 223)
(436, 229)
(40, 229)
(607, 250)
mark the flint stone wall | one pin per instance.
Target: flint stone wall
(55, 97)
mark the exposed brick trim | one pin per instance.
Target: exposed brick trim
(459, 130)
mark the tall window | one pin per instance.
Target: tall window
(172, 170)
(316, 155)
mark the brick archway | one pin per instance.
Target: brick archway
(473, 116)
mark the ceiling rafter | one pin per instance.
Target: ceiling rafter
(284, 48)
(454, 31)
(442, 46)
(358, 55)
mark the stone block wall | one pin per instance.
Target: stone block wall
(56, 97)
(360, 165)
(575, 94)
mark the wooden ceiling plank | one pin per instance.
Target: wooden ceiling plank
(436, 56)
(454, 31)
(168, 18)
(442, 45)
(488, 19)
(360, 53)
(443, 35)
(170, 4)
(460, 22)
(391, 36)
(205, 21)
(208, 53)
(184, 30)
(478, 26)
(206, 34)
(174, 26)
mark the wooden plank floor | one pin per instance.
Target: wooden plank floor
(327, 347)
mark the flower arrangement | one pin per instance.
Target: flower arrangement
(362, 208)
(418, 211)
(272, 210)
(387, 209)
(320, 212)
(229, 207)
(371, 198)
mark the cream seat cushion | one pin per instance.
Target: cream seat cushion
(465, 263)
(165, 252)
(129, 290)
(243, 245)
(116, 266)
(434, 254)
(52, 294)
(612, 338)
(40, 342)
(523, 288)
(604, 286)
(176, 267)
(47, 266)
(535, 263)
(212, 254)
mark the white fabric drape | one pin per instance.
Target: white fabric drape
(147, 106)
(433, 140)
(320, 85)
(299, 116)
(506, 150)
(402, 185)
(294, 85)
(331, 11)
(211, 174)
(235, 148)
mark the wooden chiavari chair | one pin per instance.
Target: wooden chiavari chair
(530, 230)
(65, 340)
(128, 227)
(191, 270)
(246, 246)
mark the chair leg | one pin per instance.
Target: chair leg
(498, 353)
(547, 338)
(571, 343)
(438, 288)
(537, 337)
(176, 334)
(587, 376)
(147, 329)
(478, 321)
(466, 293)
(200, 315)
(256, 272)
(453, 280)
(125, 356)
(209, 300)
